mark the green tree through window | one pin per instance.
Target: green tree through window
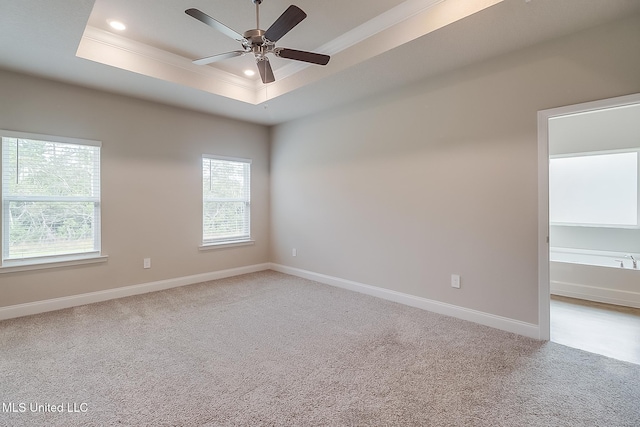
(226, 199)
(50, 198)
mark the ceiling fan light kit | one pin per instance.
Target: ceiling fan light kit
(261, 42)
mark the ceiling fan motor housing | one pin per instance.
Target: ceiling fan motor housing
(254, 36)
(256, 43)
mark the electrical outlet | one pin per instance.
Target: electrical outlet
(294, 252)
(147, 263)
(455, 281)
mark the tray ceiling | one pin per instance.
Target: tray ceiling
(375, 46)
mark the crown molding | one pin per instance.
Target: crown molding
(386, 20)
(118, 51)
(395, 27)
(398, 26)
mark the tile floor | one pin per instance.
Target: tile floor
(605, 329)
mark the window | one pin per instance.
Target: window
(50, 198)
(226, 200)
(597, 189)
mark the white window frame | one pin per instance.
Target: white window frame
(38, 262)
(225, 242)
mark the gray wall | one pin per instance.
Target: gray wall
(397, 191)
(402, 190)
(151, 184)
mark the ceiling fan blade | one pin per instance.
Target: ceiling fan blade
(266, 72)
(301, 55)
(289, 19)
(203, 17)
(219, 57)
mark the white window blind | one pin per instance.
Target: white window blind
(50, 198)
(226, 189)
(594, 189)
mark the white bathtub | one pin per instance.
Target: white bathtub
(589, 257)
(595, 276)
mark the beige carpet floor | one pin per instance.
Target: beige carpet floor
(268, 349)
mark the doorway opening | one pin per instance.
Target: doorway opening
(589, 226)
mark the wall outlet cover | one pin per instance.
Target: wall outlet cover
(455, 281)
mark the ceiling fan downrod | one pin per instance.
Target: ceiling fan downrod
(257, 3)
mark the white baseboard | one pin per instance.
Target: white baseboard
(498, 322)
(597, 294)
(27, 309)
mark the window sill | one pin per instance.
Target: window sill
(29, 265)
(223, 245)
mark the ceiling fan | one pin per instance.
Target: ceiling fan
(261, 42)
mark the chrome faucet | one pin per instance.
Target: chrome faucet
(634, 261)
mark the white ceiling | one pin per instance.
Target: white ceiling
(376, 45)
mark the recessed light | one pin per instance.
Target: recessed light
(117, 25)
(249, 73)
